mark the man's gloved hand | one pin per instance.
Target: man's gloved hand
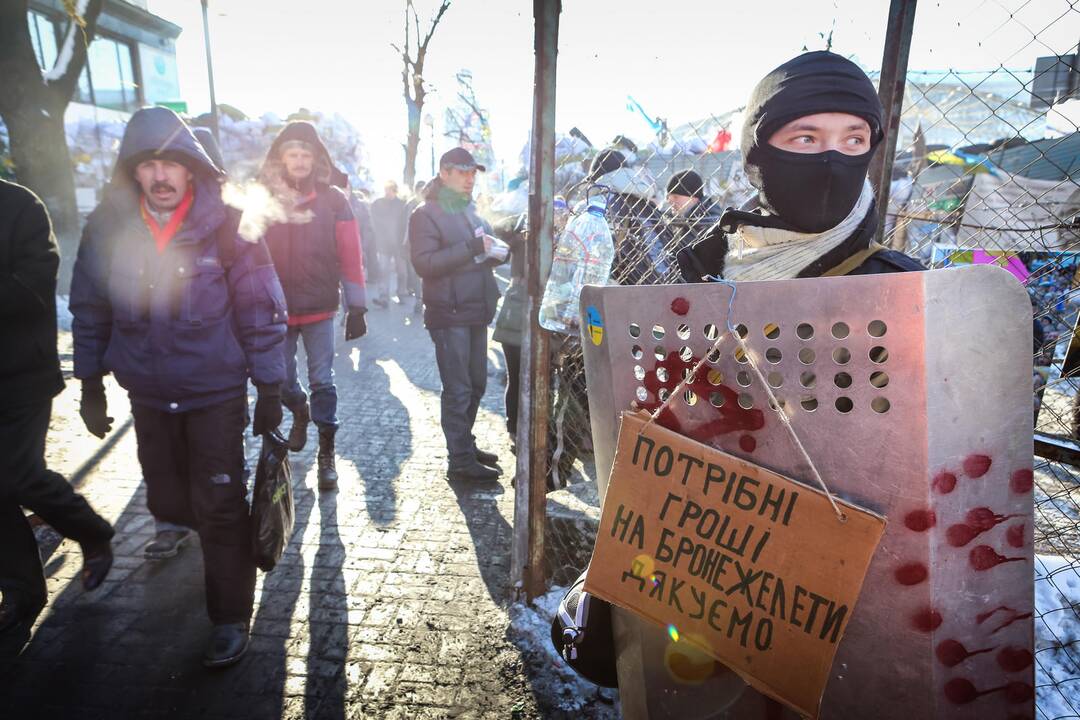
(267, 410)
(355, 324)
(93, 407)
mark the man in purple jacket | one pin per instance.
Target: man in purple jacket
(183, 311)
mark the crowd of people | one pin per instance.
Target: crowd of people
(184, 308)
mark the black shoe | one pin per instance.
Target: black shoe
(17, 615)
(97, 560)
(166, 544)
(228, 643)
(473, 473)
(301, 416)
(486, 458)
(380, 303)
(328, 476)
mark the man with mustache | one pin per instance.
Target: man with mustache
(183, 311)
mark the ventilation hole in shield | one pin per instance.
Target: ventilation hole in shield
(686, 354)
(636, 352)
(772, 331)
(687, 376)
(690, 397)
(658, 351)
(880, 405)
(879, 379)
(780, 404)
(776, 379)
(635, 330)
(683, 331)
(842, 380)
(642, 394)
(878, 354)
(662, 374)
(663, 394)
(844, 404)
(743, 378)
(807, 356)
(639, 373)
(711, 332)
(714, 356)
(774, 355)
(658, 332)
(877, 328)
(840, 330)
(740, 356)
(841, 356)
(805, 331)
(746, 401)
(808, 379)
(715, 378)
(809, 403)
(716, 399)
(742, 330)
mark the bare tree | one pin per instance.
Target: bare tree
(32, 105)
(468, 124)
(412, 78)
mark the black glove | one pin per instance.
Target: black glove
(267, 410)
(93, 406)
(355, 325)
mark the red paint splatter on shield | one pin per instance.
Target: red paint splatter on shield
(978, 520)
(975, 466)
(1015, 535)
(747, 443)
(984, 557)
(1022, 481)
(730, 417)
(680, 306)
(960, 535)
(961, 691)
(926, 620)
(911, 574)
(944, 483)
(920, 520)
(1014, 659)
(951, 653)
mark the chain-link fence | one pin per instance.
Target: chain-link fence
(987, 170)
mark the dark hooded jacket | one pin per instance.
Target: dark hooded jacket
(443, 243)
(186, 327)
(29, 365)
(318, 249)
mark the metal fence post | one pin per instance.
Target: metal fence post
(530, 498)
(891, 91)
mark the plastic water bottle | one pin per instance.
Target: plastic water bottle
(583, 256)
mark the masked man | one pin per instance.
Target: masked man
(183, 311)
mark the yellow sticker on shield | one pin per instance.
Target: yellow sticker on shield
(595, 324)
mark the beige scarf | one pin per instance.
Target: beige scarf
(760, 253)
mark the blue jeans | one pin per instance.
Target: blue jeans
(319, 348)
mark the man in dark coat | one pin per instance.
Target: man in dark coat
(451, 251)
(390, 217)
(810, 129)
(689, 213)
(29, 379)
(318, 255)
(168, 297)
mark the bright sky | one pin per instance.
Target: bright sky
(680, 60)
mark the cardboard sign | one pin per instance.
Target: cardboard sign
(751, 567)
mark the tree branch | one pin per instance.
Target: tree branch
(71, 56)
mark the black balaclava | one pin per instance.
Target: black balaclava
(809, 192)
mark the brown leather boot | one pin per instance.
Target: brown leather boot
(327, 472)
(301, 416)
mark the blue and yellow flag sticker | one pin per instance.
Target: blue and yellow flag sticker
(595, 324)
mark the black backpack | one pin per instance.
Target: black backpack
(581, 633)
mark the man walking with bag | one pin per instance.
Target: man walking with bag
(183, 311)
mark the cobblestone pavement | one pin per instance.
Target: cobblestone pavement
(390, 601)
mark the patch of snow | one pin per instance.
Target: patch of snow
(1057, 631)
(550, 676)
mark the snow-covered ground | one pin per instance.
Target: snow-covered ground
(1057, 648)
